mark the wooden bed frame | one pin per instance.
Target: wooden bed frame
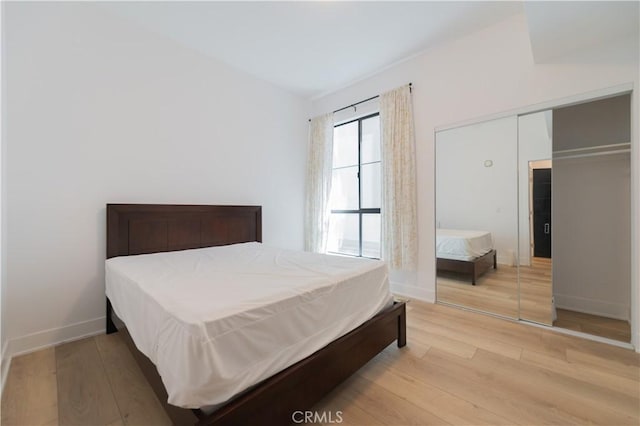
(150, 228)
(475, 267)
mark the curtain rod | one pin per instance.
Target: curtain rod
(361, 102)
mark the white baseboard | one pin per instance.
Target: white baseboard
(55, 336)
(592, 306)
(4, 368)
(413, 292)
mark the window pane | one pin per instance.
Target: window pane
(371, 235)
(370, 181)
(344, 234)
(345, 145)
(344, 189)
(371, 139)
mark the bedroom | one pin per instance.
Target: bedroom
(100, 108)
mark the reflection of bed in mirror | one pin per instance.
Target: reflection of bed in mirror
(465, 251)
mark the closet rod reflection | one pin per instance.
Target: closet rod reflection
(601, 148)
(594, 154)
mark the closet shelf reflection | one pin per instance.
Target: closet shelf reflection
(592, 151)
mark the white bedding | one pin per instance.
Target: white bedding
(218, 320)
(462, 244)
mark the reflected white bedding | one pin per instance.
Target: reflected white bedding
(218, 320)
(462, 244)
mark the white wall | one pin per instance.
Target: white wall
(591, 236)
(470, 195)
(482, 74)
(101, 111)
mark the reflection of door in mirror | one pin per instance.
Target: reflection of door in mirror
(534, 152)
(540, 200)
(476, 216)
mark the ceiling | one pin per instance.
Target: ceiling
(568, 29)
(313, 48)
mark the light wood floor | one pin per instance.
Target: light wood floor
(458, 368)
(536, 291)
(496, 292)
(594, 324)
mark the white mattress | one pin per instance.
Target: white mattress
(218, 320)
(462, 244)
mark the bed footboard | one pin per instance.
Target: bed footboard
(296, 388)
(474, 268)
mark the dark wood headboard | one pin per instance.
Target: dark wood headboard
(153, 228)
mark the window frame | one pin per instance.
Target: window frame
(360, 211)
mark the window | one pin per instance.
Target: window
(354, 227)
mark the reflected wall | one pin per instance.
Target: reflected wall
(476, 213)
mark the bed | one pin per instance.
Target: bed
(465, 251)
(199, 232)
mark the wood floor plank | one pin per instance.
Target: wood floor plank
(458, 367)
(386, 406)
(399, 383)
(136, 400)
(30, 395)
(496, 292)
(339, 402)
(88, 399)
(458, 411)
(583, 373)
(457, 376)
(497, 329)
(417, 349)
(421, 372)
(423, 323)
(604, 351)
(444, 343)
(603, 364)
(445, 406)
(594, 324)
(578, 399)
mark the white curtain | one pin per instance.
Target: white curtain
(399, 221)
(318, 185)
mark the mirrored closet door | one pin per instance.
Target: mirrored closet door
(533, 217)
(476, 216)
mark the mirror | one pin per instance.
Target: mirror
(476, 216)
(534, 216)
